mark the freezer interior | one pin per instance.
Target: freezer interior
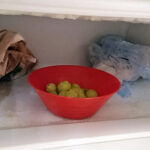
(64, 41)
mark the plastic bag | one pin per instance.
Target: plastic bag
(125, 60)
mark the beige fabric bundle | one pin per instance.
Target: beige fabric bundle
(14, 53)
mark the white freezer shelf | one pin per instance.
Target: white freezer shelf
(130, 144)
(20, 105)
(80, 134)
(119, 119)
(135, 10)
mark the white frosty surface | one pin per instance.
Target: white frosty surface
(20, 106)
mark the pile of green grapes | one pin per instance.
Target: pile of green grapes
(65, 88)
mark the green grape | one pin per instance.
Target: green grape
(79, 91)
(64, 86)
(81, 95)
(50, 87)
(63, 93)
(91, 93)
(75, 85)
(71, 93)
(75, 89)
(53, 92)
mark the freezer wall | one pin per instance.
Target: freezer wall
(139, 33)
(56, 41)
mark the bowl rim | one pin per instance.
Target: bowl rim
(89, 98)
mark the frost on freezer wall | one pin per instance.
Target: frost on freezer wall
(100, 10)
(80, 17)
(77, 17)
(98, 18)
(125, 60)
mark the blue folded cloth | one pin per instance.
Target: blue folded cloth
(127, 61)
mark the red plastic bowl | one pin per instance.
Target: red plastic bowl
(75, 108)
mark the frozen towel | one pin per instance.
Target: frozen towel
(15, 58)
(127, 61)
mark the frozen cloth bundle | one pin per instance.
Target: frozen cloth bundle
(127, 61)
(15, 58)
